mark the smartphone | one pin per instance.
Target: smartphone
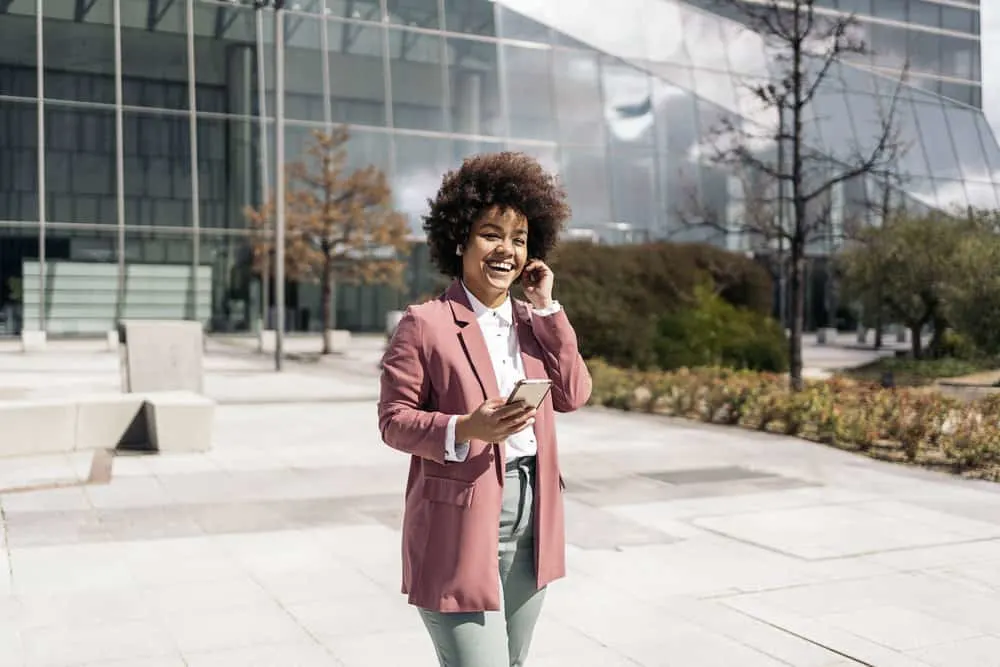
(532, 392)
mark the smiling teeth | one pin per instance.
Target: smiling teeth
(501, 266)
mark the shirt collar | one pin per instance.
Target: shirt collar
(504, 312)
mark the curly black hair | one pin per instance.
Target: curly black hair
(506, 180)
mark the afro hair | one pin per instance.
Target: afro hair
(505, 180)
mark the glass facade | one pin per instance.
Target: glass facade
(134, 132)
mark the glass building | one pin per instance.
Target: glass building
(133, 133)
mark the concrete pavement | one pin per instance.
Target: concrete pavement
(690, 545)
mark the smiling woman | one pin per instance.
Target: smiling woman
(483, 528)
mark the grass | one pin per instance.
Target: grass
(919, 372)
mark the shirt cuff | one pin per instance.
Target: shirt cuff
(455, 452)
(552, 309)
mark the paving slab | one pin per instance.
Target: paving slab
(689, 544)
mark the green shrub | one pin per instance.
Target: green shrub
(617, 295)
(714, 332)
(905, 425)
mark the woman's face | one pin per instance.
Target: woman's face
(495, 254)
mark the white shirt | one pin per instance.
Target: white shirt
(497, 325)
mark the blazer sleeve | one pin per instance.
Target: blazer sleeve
(571, 382)
(405, 389)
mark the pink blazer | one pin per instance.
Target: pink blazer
(437, 365)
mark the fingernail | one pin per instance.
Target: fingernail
(531, 422)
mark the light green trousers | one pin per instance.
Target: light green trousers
(499, 638)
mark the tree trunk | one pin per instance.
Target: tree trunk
(937, 341)
(797, 295)
(325, 310)
(878, 331)
(916, 343)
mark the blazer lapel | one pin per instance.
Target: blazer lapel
(472, 340)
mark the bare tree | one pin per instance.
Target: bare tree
(795, 182)
(340, 224)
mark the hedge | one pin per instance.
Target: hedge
(619, 295)
(918, 426)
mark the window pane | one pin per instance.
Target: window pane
(228, 171)
(304, 67)
(937, 140)
(888, 45)
(529, 88)
(230, 64)
(18, 160)
(475, 87)
(960, 92)
(80, 51)
(158, 168)
(925, 51)
(470, 16)
(80, 165)
(890, 9)
(520, 27)
(956, 18)
(578, 103)
(628, 104)
(421, 163)
(990, 146)
(981, 195)
(855, 6)
(17, 58)
(923, 13)
(676, 119)
(82, 282)
(154, 55)
(633, 177)
(357, 73)
(418, 83)
(366, 10)
(227, 288)
(958, 58)
(951, 194)
(585, 174)
(968, 147)
(420, 13)
(546, 154)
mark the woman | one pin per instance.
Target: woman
(483, 521)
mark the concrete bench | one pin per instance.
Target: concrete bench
(179, 421)
(161, 421)
(37, 427)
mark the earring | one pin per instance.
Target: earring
(458, 250)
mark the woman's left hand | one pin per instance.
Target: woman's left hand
(537, 280)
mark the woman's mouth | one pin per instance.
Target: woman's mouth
(500, 267)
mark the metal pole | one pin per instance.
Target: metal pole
(193, 140)
(279, 183)
(40, 73)
(782, 306)
(119, 160)
(265, 186)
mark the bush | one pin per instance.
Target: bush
(716, 333)
(617, 295)
(906, 425)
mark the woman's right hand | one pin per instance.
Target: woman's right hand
(494, 421)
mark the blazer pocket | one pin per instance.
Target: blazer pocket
(448, 491)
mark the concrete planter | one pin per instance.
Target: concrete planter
(392, 319)
(826, 336)
(340, 340)
(33, 341)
